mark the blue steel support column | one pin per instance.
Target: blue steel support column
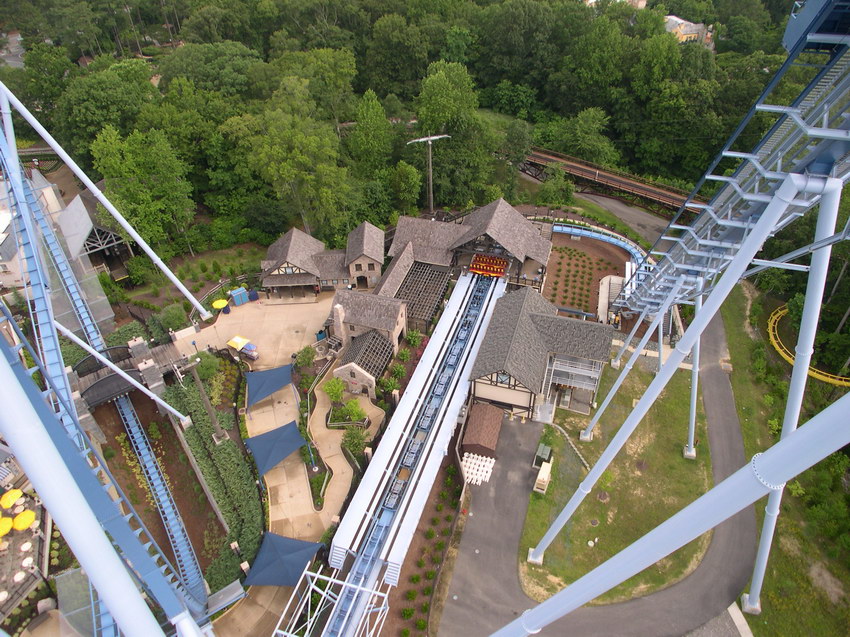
(21, 421)
(690, 451)
(827, 216)
(821, 436)
(762, 229)
(587, 433)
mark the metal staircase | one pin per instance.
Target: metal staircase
(184, 554)
(187, 562)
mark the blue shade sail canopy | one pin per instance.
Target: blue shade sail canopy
(275, 445)
(280, 561)
(263, 384)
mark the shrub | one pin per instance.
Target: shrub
(354, 439)
(420, 562)
(427, 591)
(404, 354)
(334, 388)
(430, 575)
(305, 357)
(407, 613)
(425, 607)
(429, 534)
(108, 453)
(421, 624)
(216, 267)
(414, 579)
(405, 632)
(411, 594)
(414, 338)
(353, 411)
(203, 266)
(397, 371)
(439, 546)
(154, 432)
(141, 270)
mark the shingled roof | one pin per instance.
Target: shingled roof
(331, 264)
(368, 310)
(525, 328)
(394, 274)
(295, 247)
(483, 426)
(431, 240)
(365, 240)
(504, 224)
(370, 351)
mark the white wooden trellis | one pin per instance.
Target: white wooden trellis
(477, 469)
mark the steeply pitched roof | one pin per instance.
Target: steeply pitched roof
(525, 328)
(370, 351)
(396, 271)
(502, 223)
(368, 310)
(295, 247)
(331, 264)
(431, 240)
(366, 240)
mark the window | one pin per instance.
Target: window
(345, 281)
(502, 378)
(353, 375)
(288, 270)
(4, 267)
(371, 267)
(335, 281)
(358, 267)
(351, 327)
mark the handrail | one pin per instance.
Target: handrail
(788, 355)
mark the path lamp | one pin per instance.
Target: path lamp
(430, 140)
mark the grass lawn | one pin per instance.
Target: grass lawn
(800, 576)
(647, 482)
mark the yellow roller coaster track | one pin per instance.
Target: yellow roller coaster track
(788, 355)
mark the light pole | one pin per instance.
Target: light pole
(430, 140)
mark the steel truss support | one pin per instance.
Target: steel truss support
(761, 230)
(95, 191)
(821, 436)
(690, 450)
(21, 421)
(312, 603)
(616, 362)
(827, 217)
(587, 433)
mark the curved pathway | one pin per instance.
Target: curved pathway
(485, 593)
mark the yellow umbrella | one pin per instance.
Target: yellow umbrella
(7, 500)
(23, 520)
(5, 526)
(219, 304)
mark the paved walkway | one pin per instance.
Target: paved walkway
(279, 331)
(485, 580)
(328, 443)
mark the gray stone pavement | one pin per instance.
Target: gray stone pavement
(485, 593)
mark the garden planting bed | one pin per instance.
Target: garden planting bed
(204, 529)
(575, 269)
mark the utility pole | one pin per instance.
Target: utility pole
(430, 140)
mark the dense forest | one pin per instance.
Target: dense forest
(215, 123)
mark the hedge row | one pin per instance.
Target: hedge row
(232, 483)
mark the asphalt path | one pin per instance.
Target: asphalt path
(485, 593)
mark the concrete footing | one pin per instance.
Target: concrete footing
(689, 454)
(748, 607)
(585, 436)
(531, 560)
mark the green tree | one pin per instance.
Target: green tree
(146, 182)
(48, 73)
(208, 367)
(110, 97)
(217, 66)
(556, 191)
(795, 309)
(396, 57)
(329, 73)
(297, 155)
(334, 388)
(354, 412)
(406, 184)
(413, 338)
(370, 141)
(582, 136)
